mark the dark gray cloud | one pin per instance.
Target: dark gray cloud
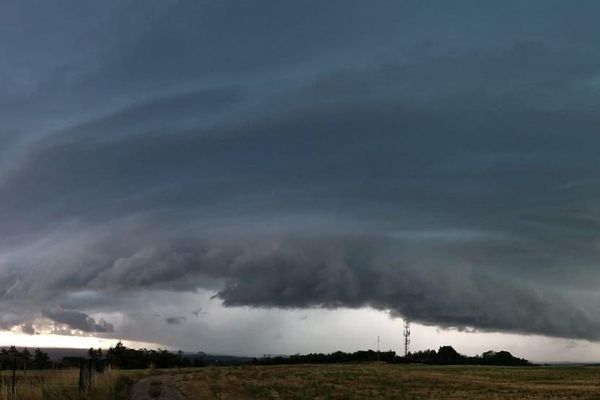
(175, 320)
(28, 329)
(438, 161)
(78, 320)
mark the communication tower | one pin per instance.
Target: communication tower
(406, 336)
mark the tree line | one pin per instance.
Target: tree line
(24, 359)
(123, 357)
(119, 356)
(445, 355)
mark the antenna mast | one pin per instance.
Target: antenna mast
(406, 336)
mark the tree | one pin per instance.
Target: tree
(13, 352)
(26, 355)
(447, 355)
(95, 354)
(40, 360)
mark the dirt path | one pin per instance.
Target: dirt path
(157, 387)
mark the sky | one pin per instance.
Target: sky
(267, 177)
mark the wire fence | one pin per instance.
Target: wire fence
(18, 381)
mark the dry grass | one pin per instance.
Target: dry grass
(382, 381)
(155, 389)
(36, 385)
(60, 385)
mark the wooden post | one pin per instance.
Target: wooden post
(14, 378)
(89, 382)
(80, 376)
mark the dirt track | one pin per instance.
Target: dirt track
(141, 390)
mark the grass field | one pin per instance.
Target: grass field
(60, 385)
(339, 381)
(34, 385)
(383, 381)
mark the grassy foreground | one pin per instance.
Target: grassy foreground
(63, 385)
(384, 381)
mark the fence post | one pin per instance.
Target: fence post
(89, 382)
(80, 376)
(14, 378)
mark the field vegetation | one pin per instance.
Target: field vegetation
(385, 381)
(63, 385)
(424, 375)
(326, 381)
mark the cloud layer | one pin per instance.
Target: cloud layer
(426, 160)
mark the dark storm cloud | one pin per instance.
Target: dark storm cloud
(28, 329)
(436, 161)
(78, 320)
(175, 320)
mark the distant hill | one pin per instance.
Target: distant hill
(219, 358)
(56, 353)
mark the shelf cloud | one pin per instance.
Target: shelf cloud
(439, 162)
